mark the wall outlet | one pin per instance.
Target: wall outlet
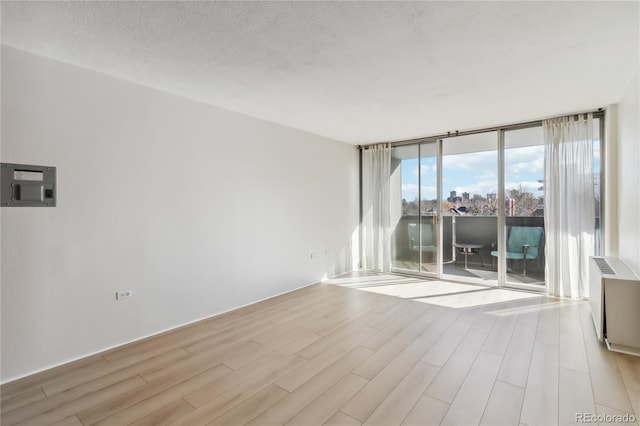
(313, 255)
(124, 294)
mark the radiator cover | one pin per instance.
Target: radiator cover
(614, 296)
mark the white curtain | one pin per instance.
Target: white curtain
(569, 204)
(376, 169)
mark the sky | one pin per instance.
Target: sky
(477, 173)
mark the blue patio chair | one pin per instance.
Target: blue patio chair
(428, 243)
(522, 244)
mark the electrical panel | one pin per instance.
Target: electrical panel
(27, 186)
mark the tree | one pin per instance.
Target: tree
(519, 202)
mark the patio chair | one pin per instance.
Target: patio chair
(522, 244)
(428, 243)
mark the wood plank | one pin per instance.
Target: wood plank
(548, 330)
(381, 358)
(437, 328)
(540, 404)
(310, 308)
(304, 373)
(366, 401)
(222, 402)
(629, 367)
(487, 318)
(72, 407)
(124, 400)
(208, 392)
(230, 336)
(515, 366)
(609, 389)
(105, 381)
(253, 406)
(22, 399)
(504, 406)
(432, 314)
(446, 384)
(608, 386)
(135, 363)
(572, 351)
(529, 310)
(288, 407)
(394, 327)
(349, 331)
(166, 414)
(269, 317)
(69, 421)
(305, 321)
(444, 347)
(341, 419)
(575, 396)
(395, 407)
(192, 360)
(470, 402)
(390, 314)
(427, 412)
(328, 404)
(500, 336)
(161, 343)
(16, 387)
(143, 408)
(239, 360)
(351, 318)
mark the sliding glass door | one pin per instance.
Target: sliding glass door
(470, 207)
(524, 207)
(448, 205)
(414, 218)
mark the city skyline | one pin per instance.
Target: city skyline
(476, 173)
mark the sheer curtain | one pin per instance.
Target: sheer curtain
(376, 169)
(569, 204)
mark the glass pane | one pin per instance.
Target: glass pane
(429, 207)
(524, 206)
(404, 207)
(470, 205)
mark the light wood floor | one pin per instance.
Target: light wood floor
(334, 354)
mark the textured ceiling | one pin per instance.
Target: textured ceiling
(357, 71)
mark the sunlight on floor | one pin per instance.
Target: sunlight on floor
(436, 292)
(479, 297)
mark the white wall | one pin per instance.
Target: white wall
(629, 176)
(610, 206)
(197, 209)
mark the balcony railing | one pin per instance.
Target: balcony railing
(479, 231)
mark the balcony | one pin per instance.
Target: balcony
(479, 231)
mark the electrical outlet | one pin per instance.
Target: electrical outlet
(313, 255)
(124, 294)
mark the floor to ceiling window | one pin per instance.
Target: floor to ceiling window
(471, 207)
(414, 203)
(524, 206)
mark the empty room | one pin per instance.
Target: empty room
(320, 213)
